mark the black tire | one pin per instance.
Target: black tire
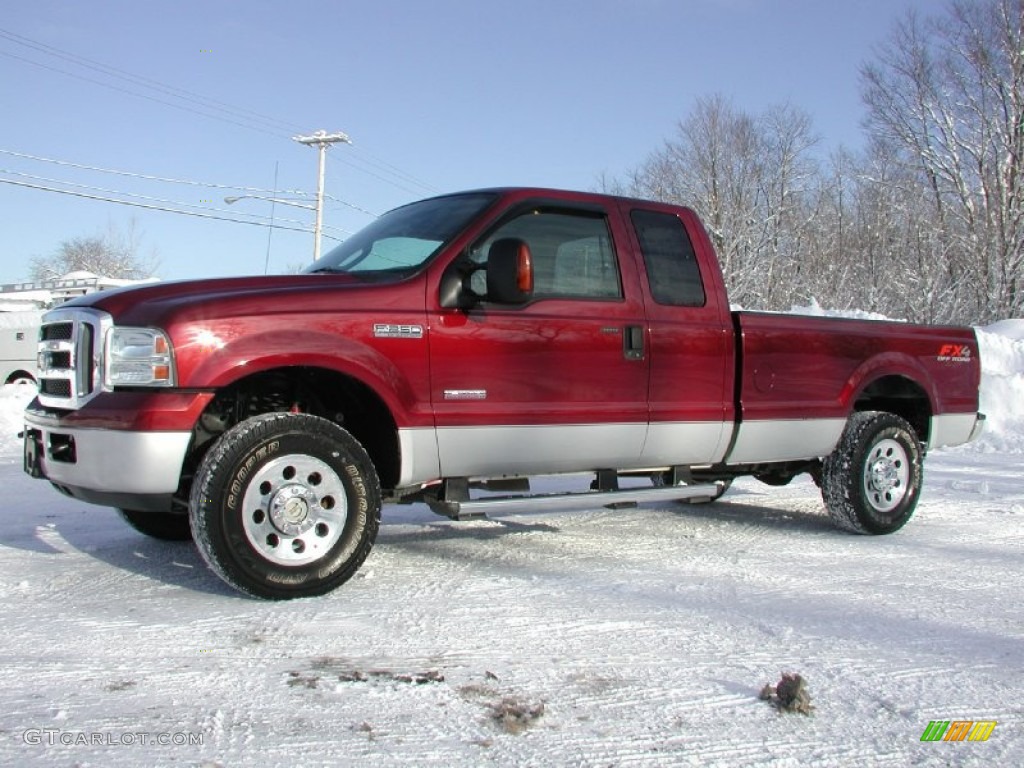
(285, 505)
(872, 481)
(662, 479)
(159, 525)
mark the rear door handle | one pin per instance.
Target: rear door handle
(633, 342)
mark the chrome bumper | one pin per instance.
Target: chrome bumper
(105, 460)
(979, 426)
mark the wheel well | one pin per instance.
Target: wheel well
(902, 397)
(317, 391)
(18, 375)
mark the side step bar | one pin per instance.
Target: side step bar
(473, 508)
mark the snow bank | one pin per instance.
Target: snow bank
(13, 399)
(1002, 387)
(814, 309)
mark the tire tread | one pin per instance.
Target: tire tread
(841, 472)
(226, 449)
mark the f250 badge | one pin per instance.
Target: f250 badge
(954, 353)
(391, 331)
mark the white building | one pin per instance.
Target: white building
(21, 311)
(49, 293)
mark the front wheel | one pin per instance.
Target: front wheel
(872, 481)
(285, 505)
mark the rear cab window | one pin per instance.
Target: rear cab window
(671, 264)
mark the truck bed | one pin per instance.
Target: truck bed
(819, 366)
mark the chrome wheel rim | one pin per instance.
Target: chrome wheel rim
(886, 475)
(294, 510)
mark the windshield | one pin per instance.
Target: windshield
(402, 240)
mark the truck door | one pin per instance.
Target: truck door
(691, 339)
(559, 381)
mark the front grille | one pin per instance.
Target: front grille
(55, 388)
(56, 332)
(69, 353)
(56, 359)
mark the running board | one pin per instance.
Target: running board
(474, 508)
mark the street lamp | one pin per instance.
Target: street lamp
(321, 139)
(273, 201)
(294, 203)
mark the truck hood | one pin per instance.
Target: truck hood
(160, 304)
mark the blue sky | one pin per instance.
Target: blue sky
(438, 95)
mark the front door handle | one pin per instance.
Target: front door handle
(633, 342)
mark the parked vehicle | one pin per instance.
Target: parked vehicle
(472, 341)
(19, 339)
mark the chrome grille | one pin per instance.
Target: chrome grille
(69, 356)
(57, 332)
(55, 388)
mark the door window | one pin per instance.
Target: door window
(572, 254)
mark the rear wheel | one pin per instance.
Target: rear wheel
(872, 481)
(285, 505)
(160, 525)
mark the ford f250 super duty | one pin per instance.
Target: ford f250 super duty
(469, 342)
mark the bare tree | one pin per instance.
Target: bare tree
(947, 95)
(112, 254)
(926, 224)
(748, 177)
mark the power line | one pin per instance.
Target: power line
(188, 182)
(146, 82)
(347, 204)
(139, 95)
(155, 207)
(140, 197)
(270, 125)
(387, 167)
(375, 175)
(132, 174)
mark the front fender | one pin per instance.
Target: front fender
(210, 360)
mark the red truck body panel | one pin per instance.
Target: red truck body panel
(816, 367)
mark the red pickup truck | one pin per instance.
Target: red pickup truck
(467, 342)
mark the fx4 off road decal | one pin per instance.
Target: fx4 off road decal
(954, 353)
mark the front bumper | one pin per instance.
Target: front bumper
(105, 460)
(122, 449)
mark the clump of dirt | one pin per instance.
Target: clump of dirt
(790, 695)
(510, 713)
(119, 685)
(300, 679)
(514, 715)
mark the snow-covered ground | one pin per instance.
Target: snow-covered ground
(591, 638)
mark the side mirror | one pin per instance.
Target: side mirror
(457, 289)
(509, 271)
(453, 291)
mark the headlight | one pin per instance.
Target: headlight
(138, 357)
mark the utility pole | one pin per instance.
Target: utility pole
(322, 140)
